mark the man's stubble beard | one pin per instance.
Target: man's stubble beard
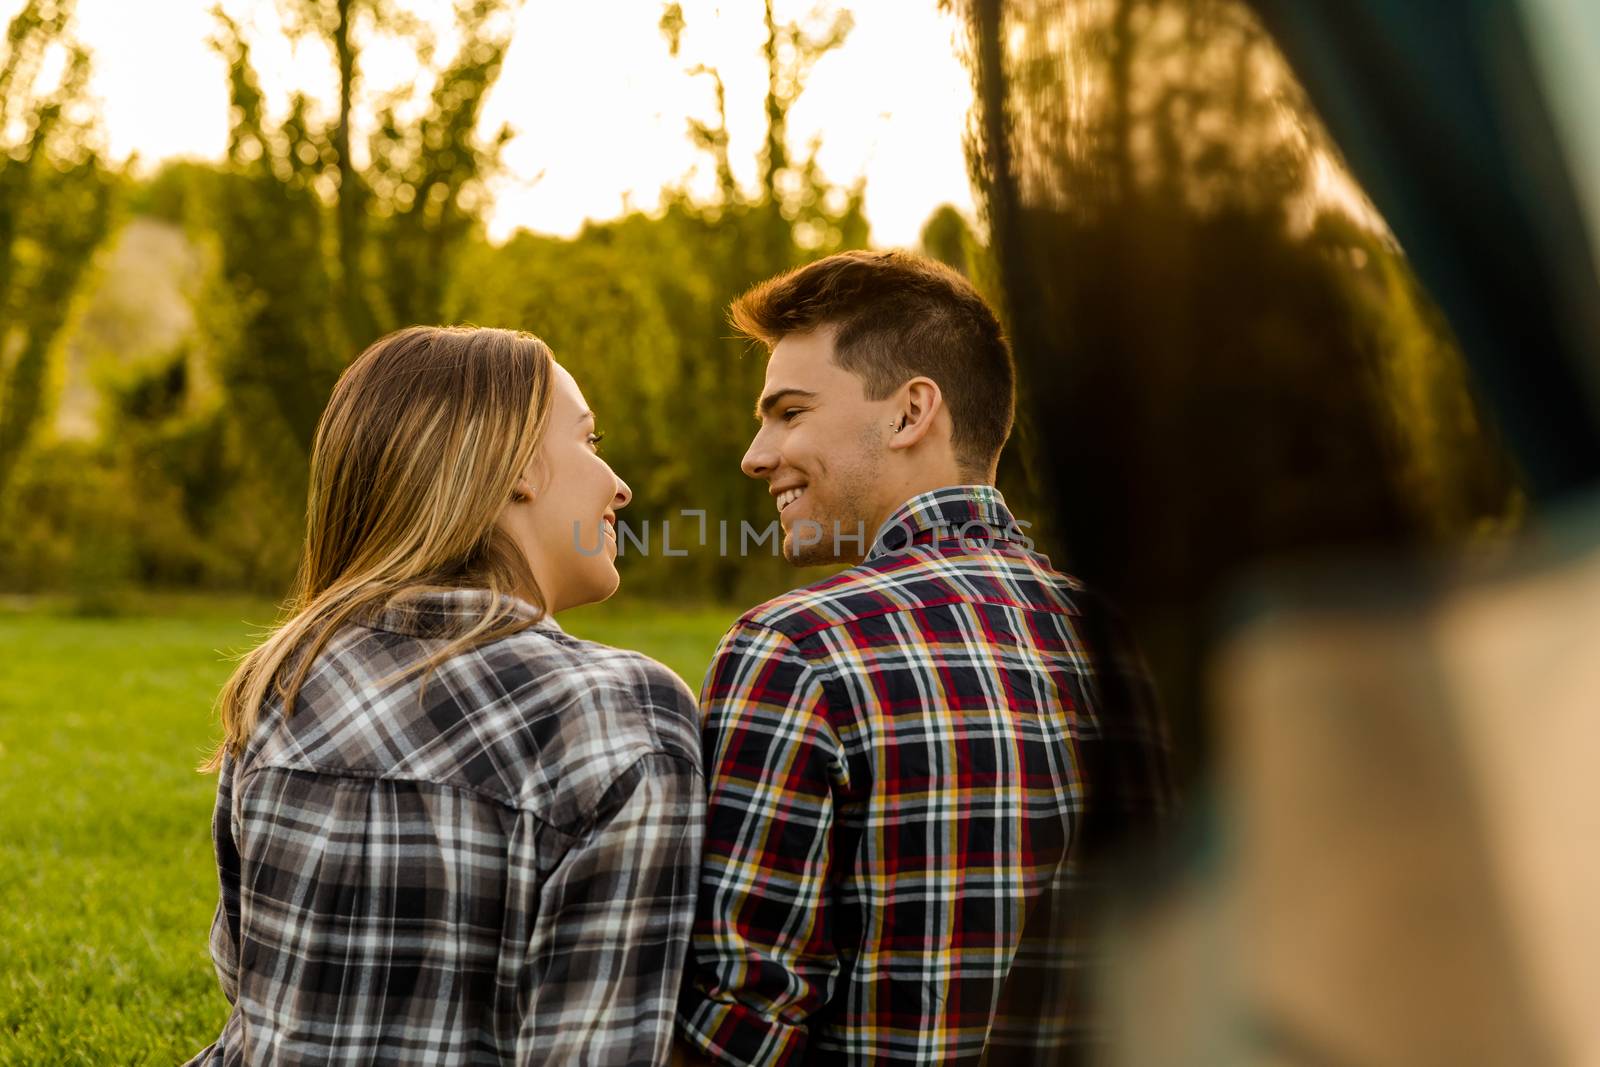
(845, 534)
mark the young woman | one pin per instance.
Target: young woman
(448, 832)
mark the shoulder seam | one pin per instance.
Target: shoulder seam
(508, 803)
(810, 656)
(633, 765)
(817, 660)
(823, 625)
(380, 776)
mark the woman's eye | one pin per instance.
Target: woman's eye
(789, 413)
(595, 439)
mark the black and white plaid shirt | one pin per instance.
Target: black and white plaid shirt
(496, 866)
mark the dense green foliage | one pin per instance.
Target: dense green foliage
(199, 475)
(55, 198)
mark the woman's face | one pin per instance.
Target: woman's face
(563, 512)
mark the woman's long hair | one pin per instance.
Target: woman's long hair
(415, 456)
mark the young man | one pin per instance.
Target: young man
(907, 762)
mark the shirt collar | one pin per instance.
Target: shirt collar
(956, 512)
(431, 611)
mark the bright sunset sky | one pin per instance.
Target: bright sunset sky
(598, 104)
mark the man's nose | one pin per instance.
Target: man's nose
(760, 459)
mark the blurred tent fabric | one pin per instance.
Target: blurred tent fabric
(1223, 366)
(1396, 852)
(1441, 743)
(1445, 109)
(1402, 869)
(1441, 109)
(1350, 915)
(1407, 783)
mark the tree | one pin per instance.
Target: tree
(55, 197)
(286, 314)
(312, 250)
(428, 176)
(793, 215)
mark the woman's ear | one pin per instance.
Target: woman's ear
(534, 475)
(920, 403)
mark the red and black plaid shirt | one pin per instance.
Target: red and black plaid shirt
(906, 763)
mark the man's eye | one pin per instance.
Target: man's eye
(789, 413)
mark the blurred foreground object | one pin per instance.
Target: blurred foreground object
(1444, 110)
(1403, 867)
(1410, 806)
(1225, 358)
(1231, 366)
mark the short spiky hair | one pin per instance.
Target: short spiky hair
(899, 316)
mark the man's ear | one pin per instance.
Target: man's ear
(914, 416)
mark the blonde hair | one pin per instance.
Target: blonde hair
(415, 456)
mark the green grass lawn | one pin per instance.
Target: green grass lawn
(107, 882)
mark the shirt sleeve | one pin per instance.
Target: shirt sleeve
(763, 958)
(225, 920)
(613, 926)
(224, 941)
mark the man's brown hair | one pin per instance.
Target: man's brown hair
(899, 316)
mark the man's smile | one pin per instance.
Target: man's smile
(787, 496)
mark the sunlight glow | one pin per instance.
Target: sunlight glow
(598, 105)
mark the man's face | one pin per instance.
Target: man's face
(820, 449)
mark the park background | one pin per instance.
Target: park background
(170, 327)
